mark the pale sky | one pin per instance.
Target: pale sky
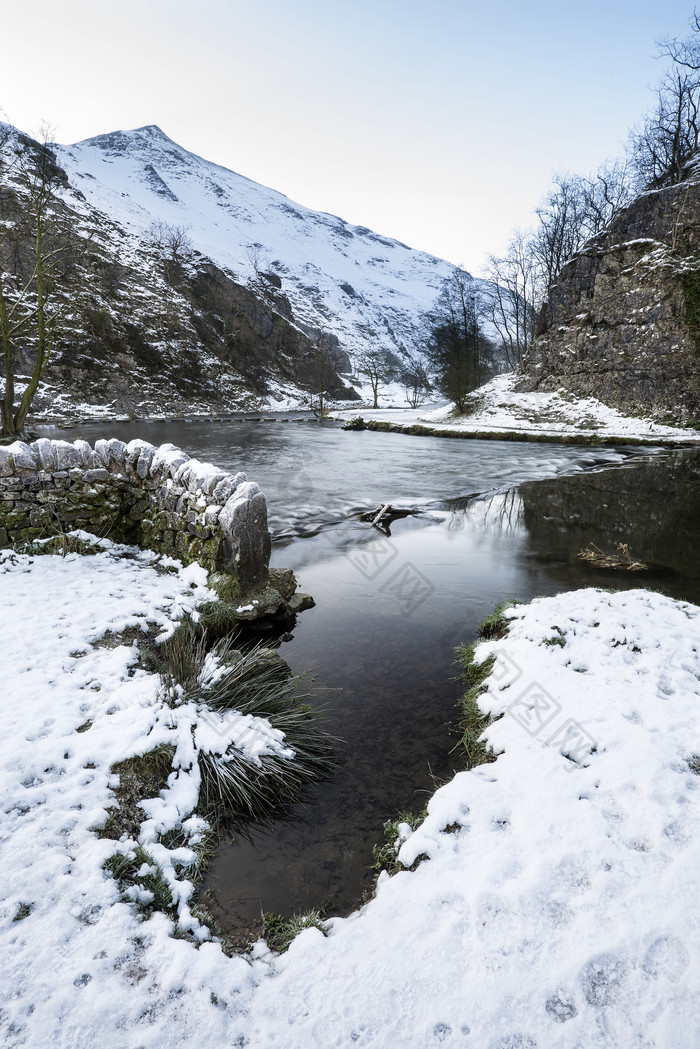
(439, 122)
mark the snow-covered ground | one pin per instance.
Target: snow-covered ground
(498, 408)
(557, 905)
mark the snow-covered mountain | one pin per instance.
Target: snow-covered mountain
(231, 318)
(368, 290)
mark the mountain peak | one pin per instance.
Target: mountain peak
(152, 130)
(120, 141)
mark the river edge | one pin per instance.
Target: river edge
(495, 411)
(499, 411)
(398, 927)
(527, 436)
(414, 429)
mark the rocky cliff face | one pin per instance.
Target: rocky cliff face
(623, 321)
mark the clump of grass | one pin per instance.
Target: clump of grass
(259, 683)
(63, 543)
(694, 764)
(23, 911)
(141, 776)
(179, 660)
(220, 619)
(278, 932)
(474, 721)
(237, 785)
(138, 868)
(227, 587)
(495, 625)
(256, 682)
(386, 854)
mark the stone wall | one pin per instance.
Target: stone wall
(623, 320)
(159, 498)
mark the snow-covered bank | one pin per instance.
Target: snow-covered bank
(557, 906)
(499, 409)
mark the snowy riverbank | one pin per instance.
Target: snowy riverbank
(556, 906)
(499, 409)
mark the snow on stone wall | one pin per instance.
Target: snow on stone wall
(159, 498)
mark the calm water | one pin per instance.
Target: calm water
(499, 521)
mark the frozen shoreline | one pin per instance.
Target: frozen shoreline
(501, 412)
(557, 904)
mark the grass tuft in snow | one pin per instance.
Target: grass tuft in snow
(253, 683)
(241, 786)
(179, 661)
(141, 776)
(63, 543)
(495, 626)
(278, 932)
(227, 587)
(140, 880)
(220, 619)
(556, 639)
(474, 721)
(395, 833)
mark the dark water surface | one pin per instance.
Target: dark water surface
(501, 520)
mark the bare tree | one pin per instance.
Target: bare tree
(604, 195)
(416, 383)
(176, 247)
(670, 134)
(575, 209)
(514, 297)
(258, 259)
(560, 232)
(684, 51)
(33, 242)
(377, 367)
(668, 137)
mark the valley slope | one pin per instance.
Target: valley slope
(230, 319)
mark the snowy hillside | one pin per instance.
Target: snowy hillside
(368, 290)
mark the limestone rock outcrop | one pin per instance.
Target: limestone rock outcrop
(623, 320)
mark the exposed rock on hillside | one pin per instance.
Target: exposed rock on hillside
(623, 321)
(369, 291)
(143, 331)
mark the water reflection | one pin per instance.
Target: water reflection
(654, 508)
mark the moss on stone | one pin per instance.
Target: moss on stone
(691, 291)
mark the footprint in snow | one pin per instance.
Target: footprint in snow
(442, 1031)
(602, 979)
(560, 1008)
(667, 957)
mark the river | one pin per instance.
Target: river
(498, 521)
